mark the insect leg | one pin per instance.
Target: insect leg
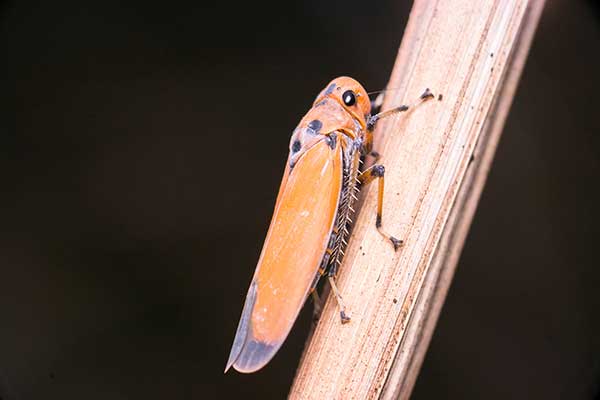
(376, 104)
(375, 156)
(313, 289)
(317, 302)
(331, 266)
(377, 172)
(345, 318)
(374, 118)
(367, 147)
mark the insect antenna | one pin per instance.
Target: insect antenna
(378, 101)
(381, 91)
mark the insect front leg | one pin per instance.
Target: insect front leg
(377, 103)
(377, 172)
(367, 146)
(376, 117)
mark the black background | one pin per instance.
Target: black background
(140, 159)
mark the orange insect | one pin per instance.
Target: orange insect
(311, 218)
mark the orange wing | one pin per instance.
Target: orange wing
(296, 242)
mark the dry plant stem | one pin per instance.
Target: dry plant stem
(462, 50)
(407, 363)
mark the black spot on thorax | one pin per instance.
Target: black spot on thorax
(315, 125)
(330, 89)
(296, 146)
(332, 140)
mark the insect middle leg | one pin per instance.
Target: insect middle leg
(377, 172)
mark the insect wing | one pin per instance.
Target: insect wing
(296, 242)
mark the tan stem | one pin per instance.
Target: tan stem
(436, 158)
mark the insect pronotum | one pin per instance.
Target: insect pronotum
(306, 237)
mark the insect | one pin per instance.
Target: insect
(307, 235)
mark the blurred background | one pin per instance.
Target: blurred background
(140, 158)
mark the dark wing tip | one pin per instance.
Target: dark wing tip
(247, 353)
(253, 356)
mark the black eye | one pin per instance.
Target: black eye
(349, 98)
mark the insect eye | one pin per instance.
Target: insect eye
(349, 98)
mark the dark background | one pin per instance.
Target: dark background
(140, 159)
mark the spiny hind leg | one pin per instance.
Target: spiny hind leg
(377, 172)
(329, 265)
